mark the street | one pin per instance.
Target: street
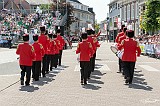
(62, 86)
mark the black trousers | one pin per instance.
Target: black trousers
(49, 64)
(120, 65)
(84, 70)
(93, 61)
(60, 57)
(129, 70)
(44, 67)
(36, 69)
(26, 70)
(54, 60)
(90, 67)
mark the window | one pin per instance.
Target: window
(118, 6)
(81, 7)
(133, 10)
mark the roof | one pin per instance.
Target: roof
(91, 10)
(113, 2)
(34, 2)
(75, 1)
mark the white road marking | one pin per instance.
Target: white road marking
(77, 68)
(102, 67)
(148, 68)
(10, 75)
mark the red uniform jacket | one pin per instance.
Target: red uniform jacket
(27, 54)
(43, 39)
(130, 47)
(53, 47)
(39, 51)
(58, 46)
(85, 50)
(122, 38)
(96, 43)
(96, 35)
(62, 41)
(90, 40)
(48, 45)
(118, 36)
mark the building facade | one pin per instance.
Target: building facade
(127, 12)
(114, 14)
(84, 16)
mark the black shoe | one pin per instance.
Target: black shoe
(119, 72)
(22, 82)
(51, 69)
(27, 84)
(44, 76)
(81, 82)
(85, 83)
(127, 80)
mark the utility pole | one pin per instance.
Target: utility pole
(3, 4)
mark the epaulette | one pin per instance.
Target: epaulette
(95, 40)
(90, 45)
(32, 49)
(40, 46)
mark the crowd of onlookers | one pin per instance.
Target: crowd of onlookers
(150, 45)
(13, 25)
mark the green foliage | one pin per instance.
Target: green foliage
(45, 6)
(150, 18)
(62, 6)
(97, 27)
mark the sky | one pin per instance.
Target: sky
(100, 7)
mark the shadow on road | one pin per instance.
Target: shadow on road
(28, 88)
(43, 81)
(139, 82)
(95, 81)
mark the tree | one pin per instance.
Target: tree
(45, 6)
(150, 17)
(62, 7)
(97, 27)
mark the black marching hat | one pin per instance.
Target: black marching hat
(42, 28)
(35, 37)
(26, 37)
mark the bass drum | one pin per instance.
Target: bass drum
(120, 54)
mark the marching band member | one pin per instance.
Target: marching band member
(62, 43)
(85, 50)
(96, 45)
(43, 40)
(27, 55)
(39, 51)
(90, 40)
(117, 41)
(130, 47)
(49, 53)
(55, 61)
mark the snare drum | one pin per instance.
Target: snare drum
(114, 48)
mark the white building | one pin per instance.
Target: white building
(84, 16)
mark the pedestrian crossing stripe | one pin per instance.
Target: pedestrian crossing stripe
(148, 68)
(102, 68)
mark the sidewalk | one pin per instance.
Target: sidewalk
(62, 87)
